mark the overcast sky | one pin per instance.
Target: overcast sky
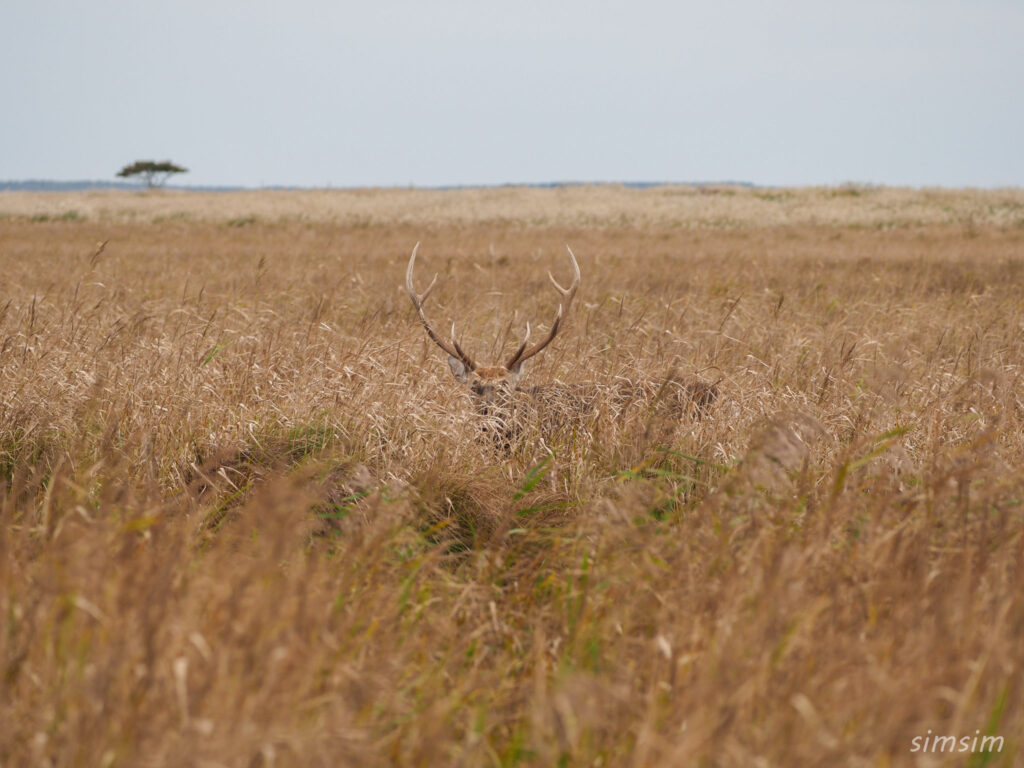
(315, 93)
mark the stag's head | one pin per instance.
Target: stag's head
(491, 382)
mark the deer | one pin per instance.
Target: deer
(497, 390)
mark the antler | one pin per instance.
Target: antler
(452, 348)
(523, 354)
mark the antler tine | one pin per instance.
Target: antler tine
(523, 354)
(512, 360)
(452, 349)
(568, 294)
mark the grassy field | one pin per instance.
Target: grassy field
(247, 517)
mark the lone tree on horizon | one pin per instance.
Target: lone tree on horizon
(153, 174)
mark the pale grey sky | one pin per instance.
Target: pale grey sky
(310, 92)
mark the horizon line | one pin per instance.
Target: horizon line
(55, 185)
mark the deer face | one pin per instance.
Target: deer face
(490, 384)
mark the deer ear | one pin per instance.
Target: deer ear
(516, 372)
(459, 370)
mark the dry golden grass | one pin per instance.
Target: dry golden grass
(602, 206)
(247, 518)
